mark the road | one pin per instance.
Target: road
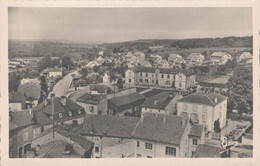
(61, 87)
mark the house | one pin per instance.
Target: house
(106, 78)
(216, 85)
(30, 81)
(247, 138)
(140, 55)
(161, 77)
(195, 59)
(91, 64)
(184, 80)
(161, 135)
(111, 135)
(245, 57)
(204, 108)
(32, 92)
(55, 72)
(219, 58)
(125, 105)
(93, 103)
(162, 103)
(64, 111)
(196, 138)
(21, 126)
(163, 64)
(17, 101)
(143, 63)
(176, 60)
(60, 144)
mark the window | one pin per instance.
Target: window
(170, 151)
(137, 144)
(168, 76)
(149, 156)
(25, 136)
(194, 117)
(70, 113)
(184, 106)
(148, 146)
(153, 81)
(79, 111)
(204, 118)
(146, 74)
(138, 155)
(194, 142)
(184, 114)
(162, 75)
(91, 109)
(141, 74)
(60, 115)
(168, 83)
(192, 153)
(129, 80)
(146, 80)
(96, 149)
(140, 80)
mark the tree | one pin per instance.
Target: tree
(14, 82)
(67, 63)
(240, 92)
(119, 83)
(217, 126)
(96, 69)
(44, 89)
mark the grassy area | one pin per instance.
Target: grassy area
(236, 117)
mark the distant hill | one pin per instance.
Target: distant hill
(246, 41)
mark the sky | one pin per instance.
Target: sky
(97, 25)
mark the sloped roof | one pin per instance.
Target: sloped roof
(207, 151)
(152, 128)
(54, 69)
(20, 119)
(162, 100)
(127, 101)
(173, 57)
(31, 90)
(17, 97)
(195, 56)
(100, 88)
(246, 55)
(203, 98)
(43, 112)
(111, 126)
(196, 130)
(219, 54)
(90, 98)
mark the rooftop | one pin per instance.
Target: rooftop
(196, 130)
(169, 132)
(159, 101)
(100, 88)
(220, 81)
(90, 98)
(111, 126)
(30, 90)
(17, 97)
(127, 101)
(20, 119)
(204, 98)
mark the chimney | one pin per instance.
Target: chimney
(164, 119)
(182, 122)
(216, 100)
(155, 101)
(45, 102)
(142, 118)
(63, 100)
(170, 94)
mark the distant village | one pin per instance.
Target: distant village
(131, 104)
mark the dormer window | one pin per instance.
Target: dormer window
(60, 115)
(70, 113)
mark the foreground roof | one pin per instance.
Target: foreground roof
(169, 132)
(111, 126)
(17, 97)
(204, 98)
(206, 151)
(30, 90)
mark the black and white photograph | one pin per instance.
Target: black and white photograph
(161, 82)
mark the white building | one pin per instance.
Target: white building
(245, 57)
(183, 82)
(106, 78)
(220, 58)
(204, 109)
